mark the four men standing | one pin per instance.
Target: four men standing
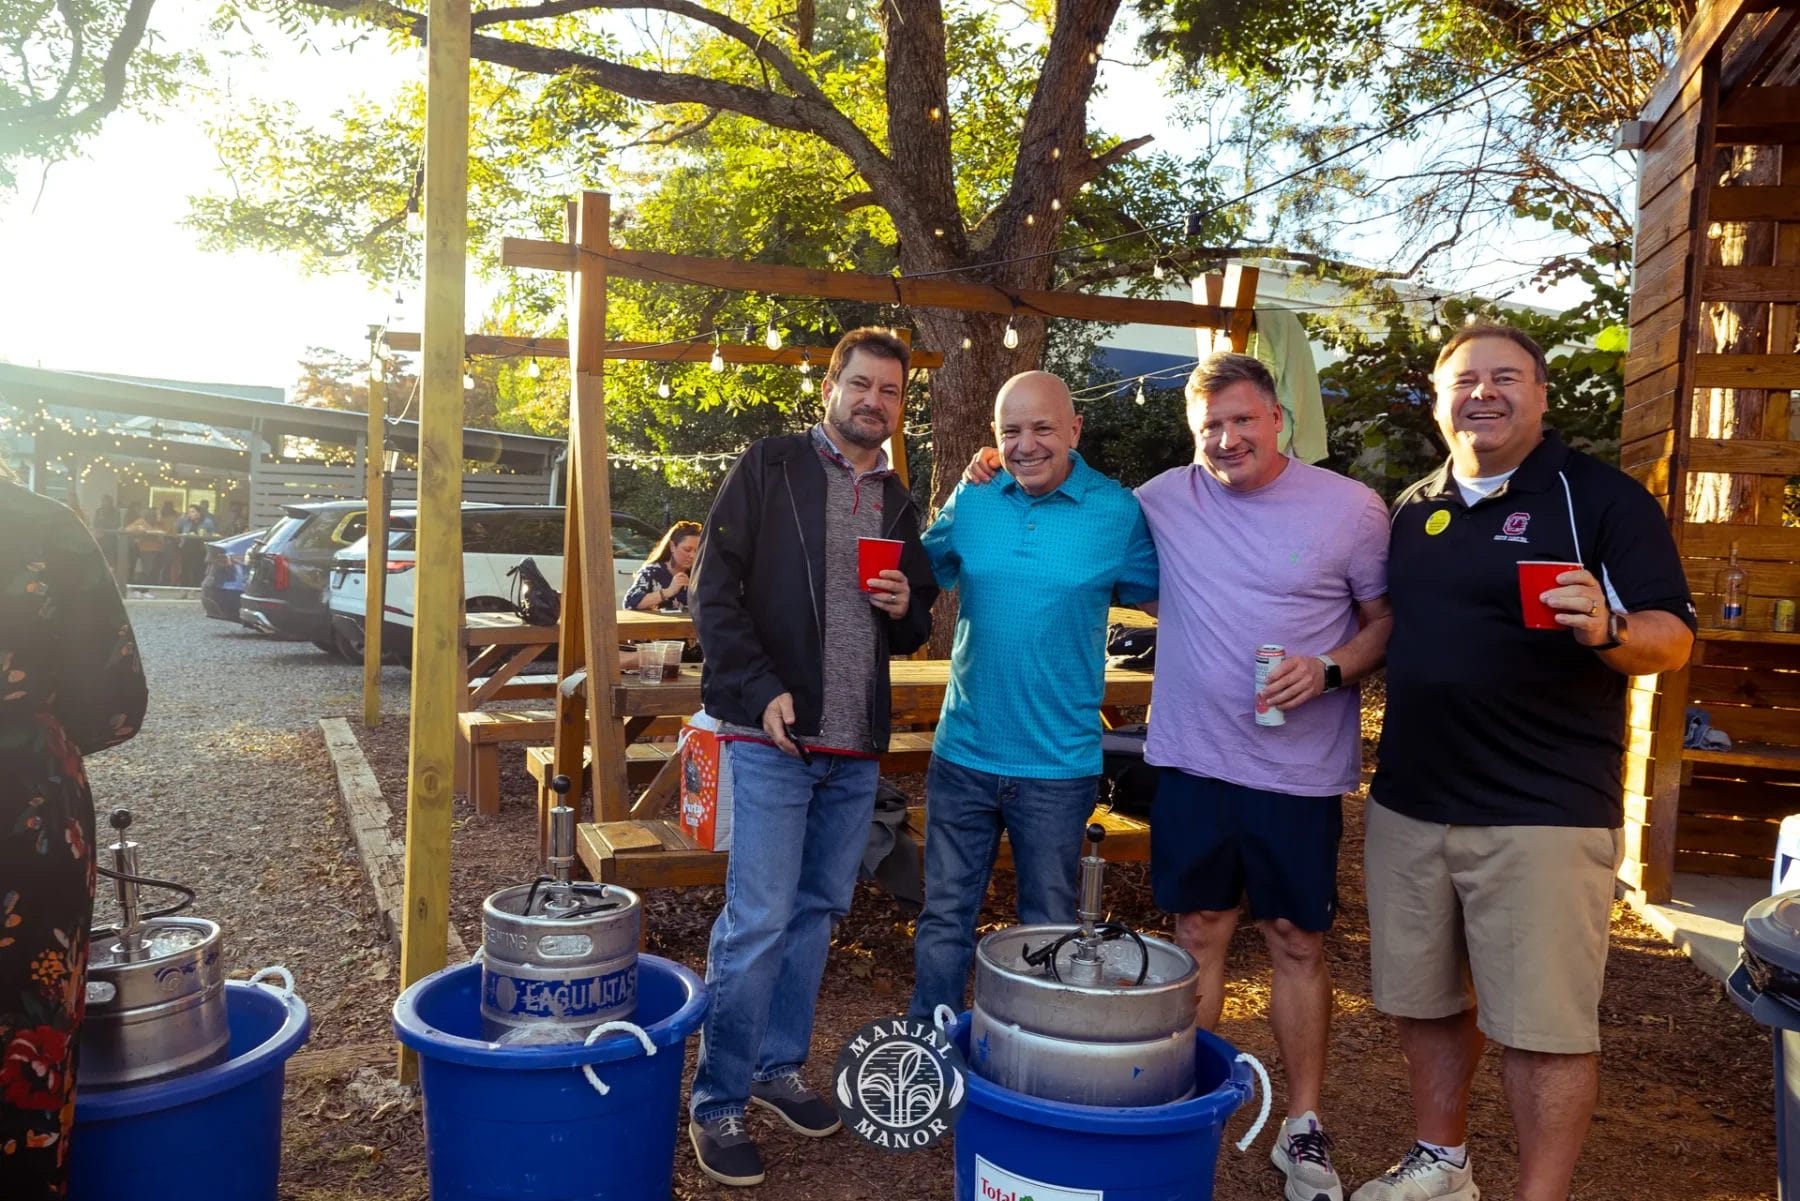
(1492, 832)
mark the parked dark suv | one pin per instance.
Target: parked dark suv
(287, 572)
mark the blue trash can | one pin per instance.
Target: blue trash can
(523, 1122)
(215, 1133)
(1012, 1145)
(1766, 985)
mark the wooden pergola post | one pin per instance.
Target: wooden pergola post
(375, 489)
(437, 675)
(589, 620)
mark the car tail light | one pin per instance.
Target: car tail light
(395, 566)
(281, 571)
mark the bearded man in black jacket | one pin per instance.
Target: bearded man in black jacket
(796, 672)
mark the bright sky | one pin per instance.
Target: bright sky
(103, 277)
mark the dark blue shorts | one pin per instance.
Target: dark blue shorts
(1213, 842)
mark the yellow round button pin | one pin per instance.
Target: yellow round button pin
(1438, 522)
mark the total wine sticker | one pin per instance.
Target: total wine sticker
(997, 1184)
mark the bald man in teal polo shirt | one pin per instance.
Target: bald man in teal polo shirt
(1037, 557)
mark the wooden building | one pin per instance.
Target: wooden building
(1712, 429)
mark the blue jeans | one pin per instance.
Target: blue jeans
(965, 811)
(797, 839)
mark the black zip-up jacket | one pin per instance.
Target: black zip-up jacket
(761, 632)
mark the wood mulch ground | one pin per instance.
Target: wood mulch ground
(1685, 1109)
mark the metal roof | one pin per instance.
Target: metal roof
(247, 407)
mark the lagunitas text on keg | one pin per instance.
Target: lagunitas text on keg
(1267, 656)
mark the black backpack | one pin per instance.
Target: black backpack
(1128, 784)
(535, 601)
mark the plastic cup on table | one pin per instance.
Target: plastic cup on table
(671, 660)
(874, 556)
(649, 664)
(1536, 577)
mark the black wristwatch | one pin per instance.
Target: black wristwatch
(1618, 633)
(1334, 675)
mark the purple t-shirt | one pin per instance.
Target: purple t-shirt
(1285, 564)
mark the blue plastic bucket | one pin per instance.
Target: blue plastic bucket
(215, 1133)
(522, 1122)
(1010, 1146)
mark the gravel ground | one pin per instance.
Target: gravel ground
(232, 793)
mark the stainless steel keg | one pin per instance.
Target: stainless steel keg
(155, 987)
(559, 957)
(1092, 1014)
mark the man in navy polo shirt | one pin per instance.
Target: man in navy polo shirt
(1492, 833)
(1037, 557)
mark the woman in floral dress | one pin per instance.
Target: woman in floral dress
(70, 684)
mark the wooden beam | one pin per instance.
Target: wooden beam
(929, 293)
(1773, 202)
(437, 674)
(1750, 285)
(1240, 298)
(1762, 106)
(1744, 455)
(495, 346)
(1709, 28)
(1774, 371)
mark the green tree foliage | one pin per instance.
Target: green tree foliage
(1379, 394)
(66, 66)
(929, 138)
(1319, 76)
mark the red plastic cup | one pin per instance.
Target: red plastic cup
(874, 556)
(1536, 577)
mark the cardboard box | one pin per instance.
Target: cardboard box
(705, 786)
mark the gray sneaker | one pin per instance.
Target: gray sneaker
(1303, 1155)
(798, 1106)
(1421, 1176)
(725, 1150)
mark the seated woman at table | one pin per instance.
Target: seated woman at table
(663, 581)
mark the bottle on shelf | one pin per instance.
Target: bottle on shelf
(1734, 590)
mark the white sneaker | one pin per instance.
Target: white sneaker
(1421, 1176)
(1302, 1153)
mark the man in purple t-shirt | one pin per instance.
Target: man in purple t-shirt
(1256, 548)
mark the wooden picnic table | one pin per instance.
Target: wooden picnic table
(630, 844)
(918, 691)
(506, 645)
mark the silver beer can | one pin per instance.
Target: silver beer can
(1267, 656)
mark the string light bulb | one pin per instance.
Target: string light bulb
(1621, 275)
(662, 386)
(718, 357)
(1010, 339)
(1436, 328)
(532, 370)
(468, 382)
(1140, 398)
(1156, 268)
(968, 343)
(806, 362)
(772, 336)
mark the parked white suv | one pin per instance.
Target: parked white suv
(495, 538)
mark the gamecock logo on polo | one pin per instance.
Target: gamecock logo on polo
(899, 1084)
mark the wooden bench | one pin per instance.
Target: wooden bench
(656, 854)
(482, 732)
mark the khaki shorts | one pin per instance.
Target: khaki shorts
(1511, 920)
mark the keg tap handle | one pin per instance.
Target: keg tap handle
(560, 864)
(125, 885)
(1089, 908)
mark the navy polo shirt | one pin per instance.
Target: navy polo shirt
(1489, 723)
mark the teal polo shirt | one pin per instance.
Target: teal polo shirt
(1035, 575)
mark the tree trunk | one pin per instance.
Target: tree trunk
(1730, 327)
